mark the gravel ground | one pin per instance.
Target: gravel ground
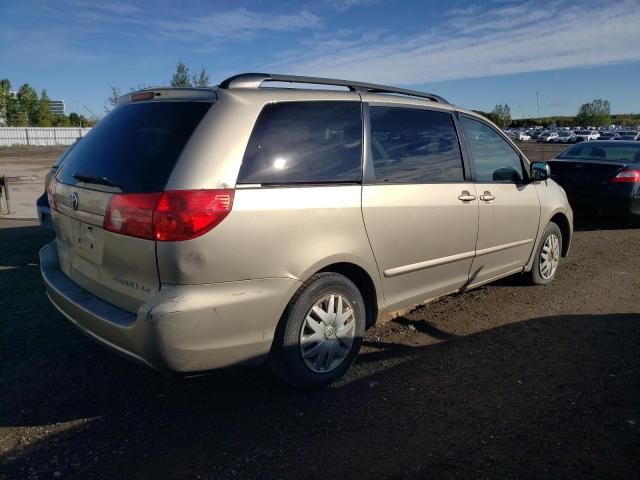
(505, 381)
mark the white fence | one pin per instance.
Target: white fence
(40, 135)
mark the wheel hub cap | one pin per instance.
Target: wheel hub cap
(327, 333)
(549, 256)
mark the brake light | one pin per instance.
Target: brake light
(168, 216)
(142, 96)
(131, 214)
(627, 176)
(186, 214)
(51, 194)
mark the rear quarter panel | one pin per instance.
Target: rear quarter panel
(287, 232)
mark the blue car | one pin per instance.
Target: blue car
(42, 204)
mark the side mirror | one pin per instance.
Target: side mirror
(540, 171)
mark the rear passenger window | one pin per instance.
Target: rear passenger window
(495, 160)
(305, 142)
(411, 145)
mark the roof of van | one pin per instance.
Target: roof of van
(259, 82)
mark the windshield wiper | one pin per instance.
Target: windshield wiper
(95, 180)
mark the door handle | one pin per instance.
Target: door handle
(487, 197)
(465, 196)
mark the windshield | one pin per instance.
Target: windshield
(135, 147)
(613, 153)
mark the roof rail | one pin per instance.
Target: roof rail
(255, 80)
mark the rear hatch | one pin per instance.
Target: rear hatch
(133, 150)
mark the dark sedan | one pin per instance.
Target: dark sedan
(601, 175)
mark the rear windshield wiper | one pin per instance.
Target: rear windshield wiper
(95, 180)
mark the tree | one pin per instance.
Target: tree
(181, 76)
(112, 99)
(594, 114)
(75, 120)
(501, 115)
(202, 79)
(5, 101)
(27, 106)
(45, 119)
(61, 121)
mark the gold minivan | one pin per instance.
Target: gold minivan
(202, 228)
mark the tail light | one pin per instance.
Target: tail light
(627, 176)
(168, 216)
(131, 214)
(51, 194)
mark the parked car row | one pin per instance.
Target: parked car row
(567, 135)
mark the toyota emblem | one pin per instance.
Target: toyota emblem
(74, 200)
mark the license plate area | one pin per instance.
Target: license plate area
(87, 241)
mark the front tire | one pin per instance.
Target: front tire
(320, 332)
(547, 256)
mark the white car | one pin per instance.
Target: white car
(565, 136)
(523, 137)
(586, 135)
(548, 137)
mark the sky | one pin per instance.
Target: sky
(474, 53)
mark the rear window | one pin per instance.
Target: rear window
(305, 142)
(613, 153)
(135, 146)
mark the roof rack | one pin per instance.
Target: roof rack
(255, 80)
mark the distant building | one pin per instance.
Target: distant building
(56, 107)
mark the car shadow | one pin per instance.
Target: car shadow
(526, 399)
(586, 221)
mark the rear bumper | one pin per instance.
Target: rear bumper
(181, 328)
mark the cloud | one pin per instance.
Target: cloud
(239, 23)
(501, 39)
(112, 7)
(342, 5)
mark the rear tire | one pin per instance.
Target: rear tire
(547, 256)
(320, 332)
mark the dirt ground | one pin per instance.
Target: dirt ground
(23, 170)
(507, 381)
(539, 152)
(23, 160)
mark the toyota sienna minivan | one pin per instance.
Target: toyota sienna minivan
(201, 228)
